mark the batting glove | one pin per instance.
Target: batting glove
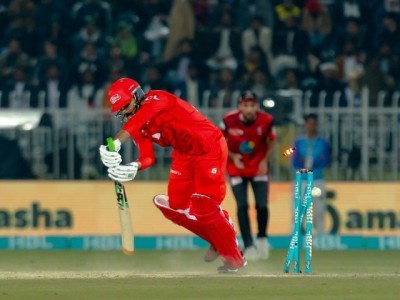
(108, 158)
(123, 173)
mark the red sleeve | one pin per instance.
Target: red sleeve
(146, 152)
(152, 105)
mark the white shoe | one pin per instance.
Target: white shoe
(262, 248)
(251, 253)
(228, 269)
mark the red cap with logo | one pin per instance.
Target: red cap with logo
(121, 93)
(248, 96)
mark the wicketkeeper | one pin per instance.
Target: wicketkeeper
(196, 184)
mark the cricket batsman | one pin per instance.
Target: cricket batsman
(196, 185)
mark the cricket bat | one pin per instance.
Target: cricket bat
(127, 239)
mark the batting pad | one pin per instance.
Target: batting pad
(181, 217)
(219, 228)
(207, 220)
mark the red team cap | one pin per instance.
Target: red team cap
(121, 93)
(248, 96)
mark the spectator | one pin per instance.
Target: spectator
(155, 36)
(54, 86)
(90, 34)
(201, 12)
(385, 7)
(248, 156)
(316, 22)
(49, 14)
(182, 24)
(389, 33)
(155, 80)
(19, 93)
(257, 35)
(127, 42)
(313, 152)
(91, 60)
(291, 80)
(261, 83)
(86, 93)
(127, 10)
(155, 28)
(223, 91)
(225, 43)
(116, 60)
(125, 53)
(97, 10)
(350, 59)
(193, 87)
(23, 29)
(218, 9)
(49, 58)
(328, 84)
(355, 33)
(177, 67)
(376, 80)
(290, 46)
(61, 38)
(12, 57)
(345, 9)
(253, 62)
(151, 10)
(201, 53)
(389, 62)
(247, 10)
(24, 8)
(286, 10)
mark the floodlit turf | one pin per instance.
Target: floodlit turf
(182, 275)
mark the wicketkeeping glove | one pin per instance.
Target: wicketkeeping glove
(123, 173)
(109, 159)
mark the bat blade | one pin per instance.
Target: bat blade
(128, 243)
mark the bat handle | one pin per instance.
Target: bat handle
(110, 144)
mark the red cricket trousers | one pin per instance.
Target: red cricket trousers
(196, 189)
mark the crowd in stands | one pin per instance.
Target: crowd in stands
(71, 50)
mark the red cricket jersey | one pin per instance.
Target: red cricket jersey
(167, 121)
(248, 140)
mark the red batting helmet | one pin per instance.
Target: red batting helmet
(121, 93)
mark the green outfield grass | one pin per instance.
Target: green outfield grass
(182, 275)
